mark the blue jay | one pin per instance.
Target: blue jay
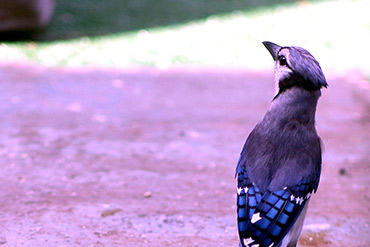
(280, 164)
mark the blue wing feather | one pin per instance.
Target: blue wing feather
(265, 218)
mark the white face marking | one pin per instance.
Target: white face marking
(255, 245)
(271, 244)
(256, 217)
(281, 71)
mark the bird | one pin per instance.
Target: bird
(280, 163)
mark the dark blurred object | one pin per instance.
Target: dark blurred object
(342, 171)
(25, 15)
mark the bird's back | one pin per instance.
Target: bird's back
(284, 143)
(280, 163)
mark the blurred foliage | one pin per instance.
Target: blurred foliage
(168, 33)
(95, 17)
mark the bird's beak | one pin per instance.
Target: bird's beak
(272, 48)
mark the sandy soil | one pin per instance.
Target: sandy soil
(146, 157)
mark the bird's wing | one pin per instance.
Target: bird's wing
(265, 218)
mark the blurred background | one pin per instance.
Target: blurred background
(122, 120)
(209, 33)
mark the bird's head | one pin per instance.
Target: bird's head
(294, 66)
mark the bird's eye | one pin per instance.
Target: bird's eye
(282, 61)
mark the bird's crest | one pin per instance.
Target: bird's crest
(295, 66)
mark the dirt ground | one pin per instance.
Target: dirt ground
(146, 157)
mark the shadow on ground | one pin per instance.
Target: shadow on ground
(91, 18)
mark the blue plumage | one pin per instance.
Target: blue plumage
(280, 164)
(277, 212)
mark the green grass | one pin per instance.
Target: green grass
(94, 17)
(337, 33)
